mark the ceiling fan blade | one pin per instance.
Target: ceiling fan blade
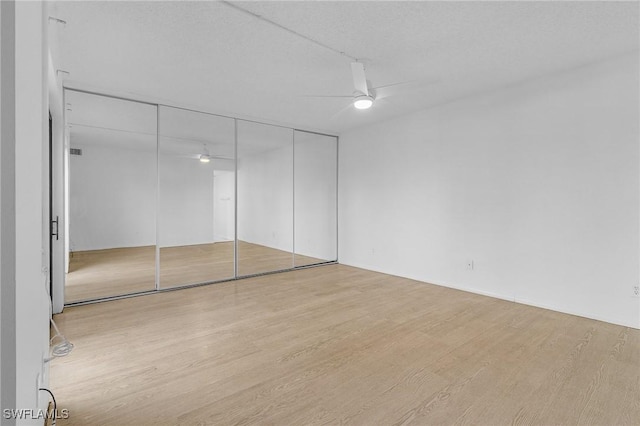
(326, 96)
(197, 156)
(396, 88)
(359, 78)
(341, 112)
(388, 104)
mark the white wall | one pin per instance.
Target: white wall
(31, 129)
(186, 201)
(266, 186)
(223, 205)
(536, 183)
(112, 197)
(265, 198)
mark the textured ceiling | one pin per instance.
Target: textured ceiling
(214, 57)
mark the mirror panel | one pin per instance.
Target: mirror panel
(315, 201)
(265, 198)
(147, 211)
(112, 197)
(196, 203)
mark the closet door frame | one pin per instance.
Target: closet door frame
(236, 275)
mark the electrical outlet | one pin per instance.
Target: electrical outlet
(636, 291)
(469, 265)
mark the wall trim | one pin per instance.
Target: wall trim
(509, 298)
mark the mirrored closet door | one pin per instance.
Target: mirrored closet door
(265, 198)
(112, 184)
(315, 198)
(163, 197)
(196, 233)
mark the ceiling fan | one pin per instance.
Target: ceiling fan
(364, 96)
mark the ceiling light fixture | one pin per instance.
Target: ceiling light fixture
(205, 157)
(363, 102)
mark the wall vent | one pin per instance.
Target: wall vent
(75, 151)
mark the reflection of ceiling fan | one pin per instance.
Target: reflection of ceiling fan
(184, 149)
(204, 157)
(364, 96)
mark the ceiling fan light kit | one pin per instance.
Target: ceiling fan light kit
(363, 102)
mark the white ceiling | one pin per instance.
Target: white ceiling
(213, 57)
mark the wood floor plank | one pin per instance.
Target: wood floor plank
(340, 345)
(97, 274)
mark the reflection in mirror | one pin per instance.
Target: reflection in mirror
(265, 198)
(196, 201)
(315, 164)
(112, 197)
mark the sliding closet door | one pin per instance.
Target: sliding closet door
(265, 198)
(197, 197)
(316, 197)
(164, 197)
(112, 197)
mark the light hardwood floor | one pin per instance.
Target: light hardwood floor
(340, 345)
(112, 272)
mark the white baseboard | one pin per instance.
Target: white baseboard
(509, 297)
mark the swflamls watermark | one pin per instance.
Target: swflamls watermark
(31, 414)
